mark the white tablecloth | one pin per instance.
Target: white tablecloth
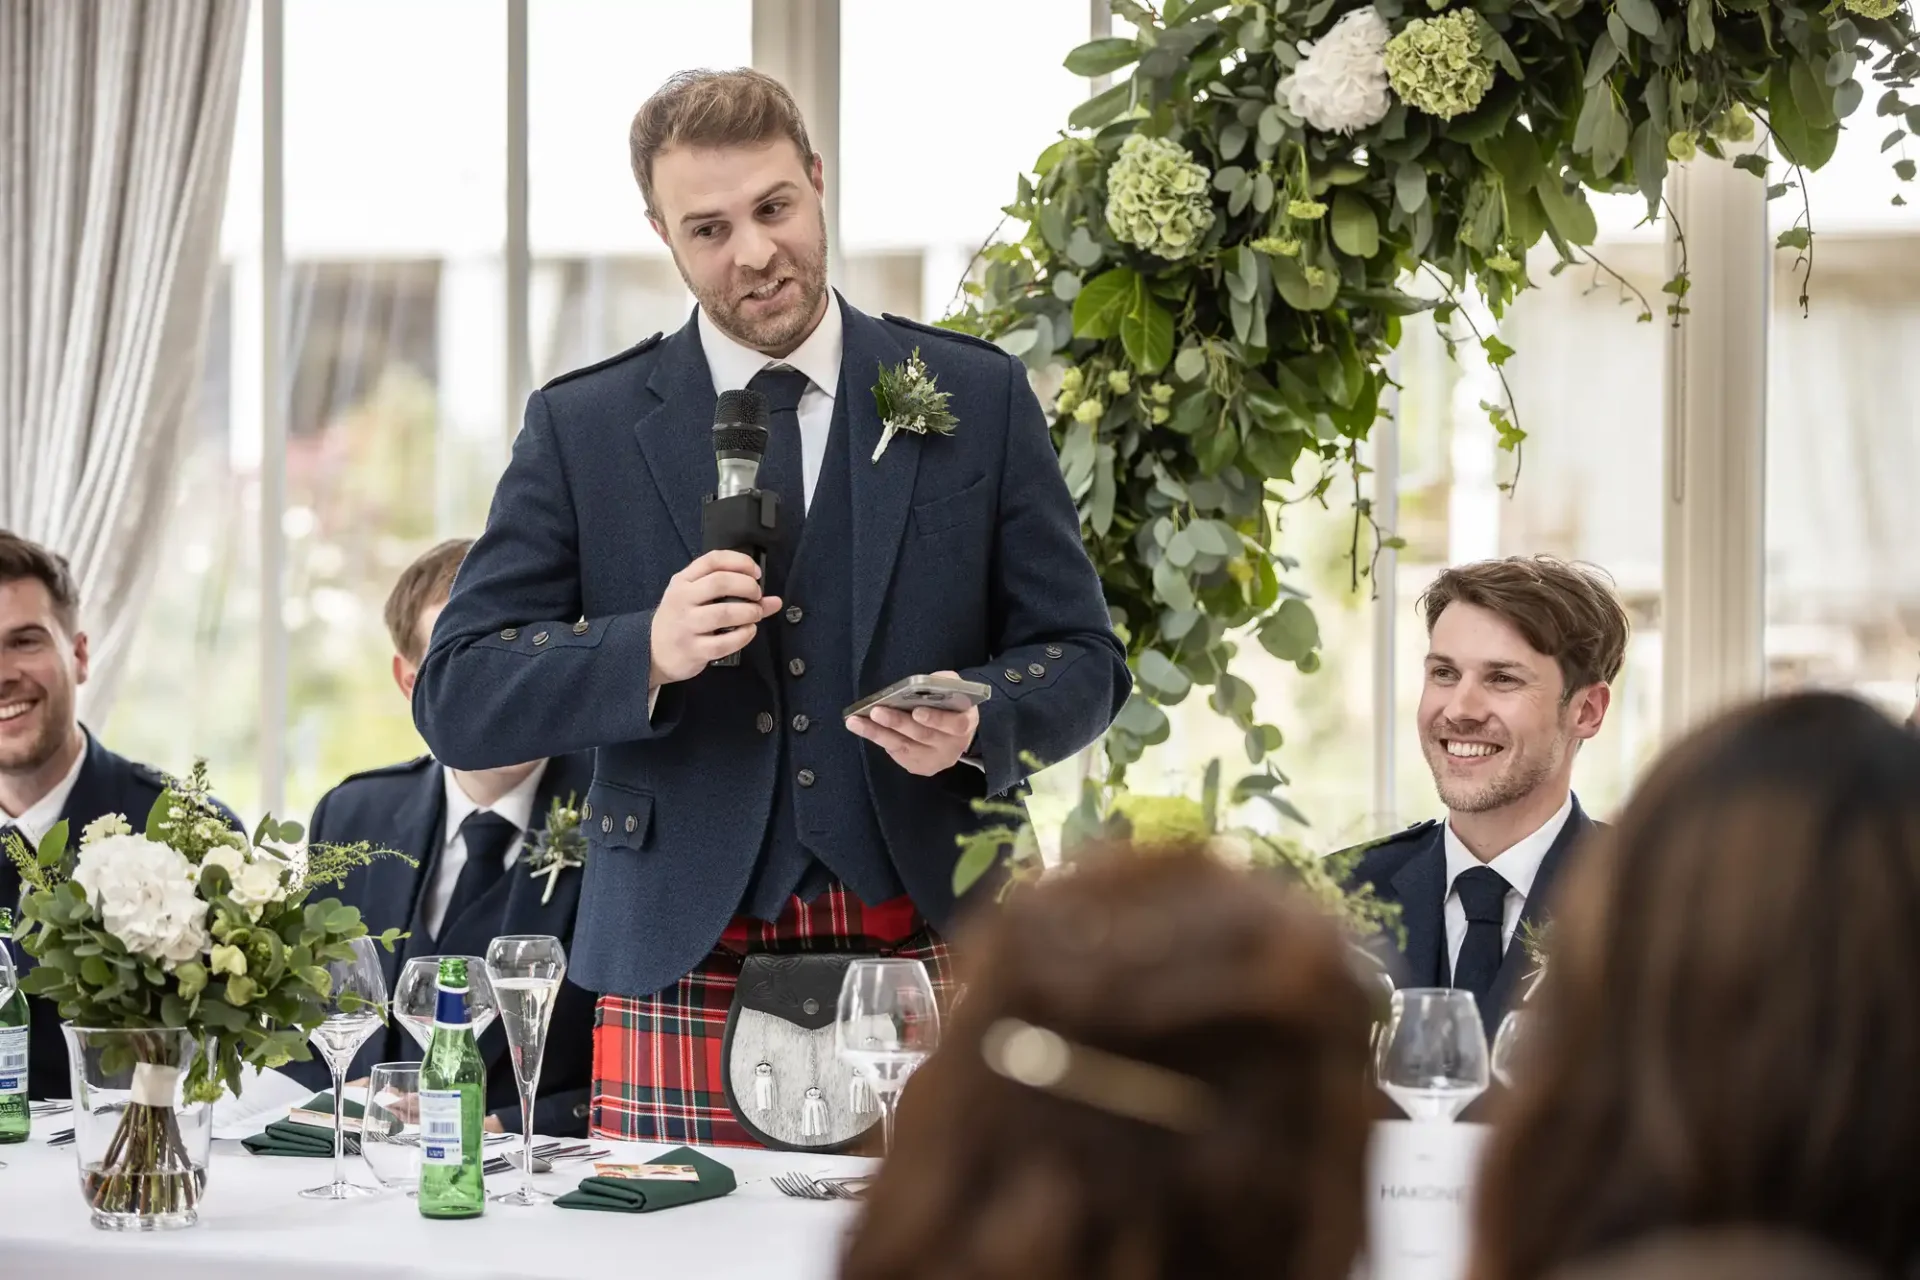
(254, 1226)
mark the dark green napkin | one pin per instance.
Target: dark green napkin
(293, 1138)
(634, 1195)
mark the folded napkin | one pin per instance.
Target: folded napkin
(635, 1193)
(293, 1138)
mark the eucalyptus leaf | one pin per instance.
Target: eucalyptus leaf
(1103, 57)
(1355, 229)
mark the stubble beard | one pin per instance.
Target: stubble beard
(776, 333)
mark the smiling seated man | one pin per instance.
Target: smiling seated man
(1521, 656)
(52, 769)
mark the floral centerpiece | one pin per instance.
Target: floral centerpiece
(183, 952)
(1213, 263)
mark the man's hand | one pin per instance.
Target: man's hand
(923, 742)
(718, 591)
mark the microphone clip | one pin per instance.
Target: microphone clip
(745, 522)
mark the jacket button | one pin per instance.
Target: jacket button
(586, 813)
(1054, 651)
(510, 634)
(1013, 677)
(539, 638)
(633, 824)
(795, 613)
(1035, 669)
(796, 666)
(581, 627)
(764, 722)
(804, 777)
(579, 1109)
(801, 724)
(606, 825)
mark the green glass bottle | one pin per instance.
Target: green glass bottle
(16, 1120)
(453, 1106)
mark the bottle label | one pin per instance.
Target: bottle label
(440, 1121)
(450, 1010)
(13, 1060)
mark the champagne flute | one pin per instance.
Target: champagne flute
(1433, 1056)
(526, 971)
(416, 994)
(1510, 1043)
(354, 1004)
(887, 1025)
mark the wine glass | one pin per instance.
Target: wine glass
(354, 1004)
(525, 971)
(390, 1129)
(887, 1025)
(1510, 1043)
(1433, 1057)
(416, 994)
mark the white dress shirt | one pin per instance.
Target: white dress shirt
(1518, 866)
(43, 813)
(733, 366)
(516, 807)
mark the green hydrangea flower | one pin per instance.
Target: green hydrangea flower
(1872, 8)
(1734, 125)
(1088, 412)
(1157, 197)
(1277, 246)
(1306, 210)
(1072, 380)
(1119, 382)
(1162, 822)
(1438, 66)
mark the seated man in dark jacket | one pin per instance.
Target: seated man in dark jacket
(52, 769)
(1521, 657)
(469, 833)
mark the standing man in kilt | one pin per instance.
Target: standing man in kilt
(734, 810)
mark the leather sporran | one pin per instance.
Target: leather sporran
(786, 1085)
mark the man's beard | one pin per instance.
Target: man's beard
(1520, 778)
(782, 332)
(56, 722)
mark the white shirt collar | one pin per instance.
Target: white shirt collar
(1517, 865)
(44, 812)
(733, 365)
(516, 806)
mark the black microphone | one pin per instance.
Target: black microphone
(739, 440)
(738, 516)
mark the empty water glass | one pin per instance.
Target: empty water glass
(390, 1131)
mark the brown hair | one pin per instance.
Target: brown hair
(1566, 610)
(1728, 1032)
(422, 584)
(703, 108)
(21, 558)
(1175, 969)
(1743, 1254)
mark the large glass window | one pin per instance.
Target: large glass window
(1843, 432)
(602, 280)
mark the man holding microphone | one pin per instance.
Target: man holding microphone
(734, 809)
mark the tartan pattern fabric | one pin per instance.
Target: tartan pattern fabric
(657, 1069)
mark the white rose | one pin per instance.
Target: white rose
(1341, 84)
(146, 895)
(256, 881)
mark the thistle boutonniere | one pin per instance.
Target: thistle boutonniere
(558, 847)
(909, 401)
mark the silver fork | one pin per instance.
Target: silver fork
(802, 1187)
(500, 1164)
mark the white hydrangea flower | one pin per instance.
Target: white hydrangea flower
(107, 824)
(1341, 85)
(257, 881)
(147, 896)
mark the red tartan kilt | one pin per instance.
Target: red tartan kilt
(657, 1069)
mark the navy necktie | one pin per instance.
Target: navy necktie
(1483, 895)
(782, 470)
(487, 835)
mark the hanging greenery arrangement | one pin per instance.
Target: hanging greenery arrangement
(1216, 257)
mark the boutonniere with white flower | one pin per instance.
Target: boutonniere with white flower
(561, 846)
(909, 401)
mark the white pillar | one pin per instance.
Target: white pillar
(1716, 418)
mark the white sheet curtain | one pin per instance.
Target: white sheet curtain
(116, 126)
